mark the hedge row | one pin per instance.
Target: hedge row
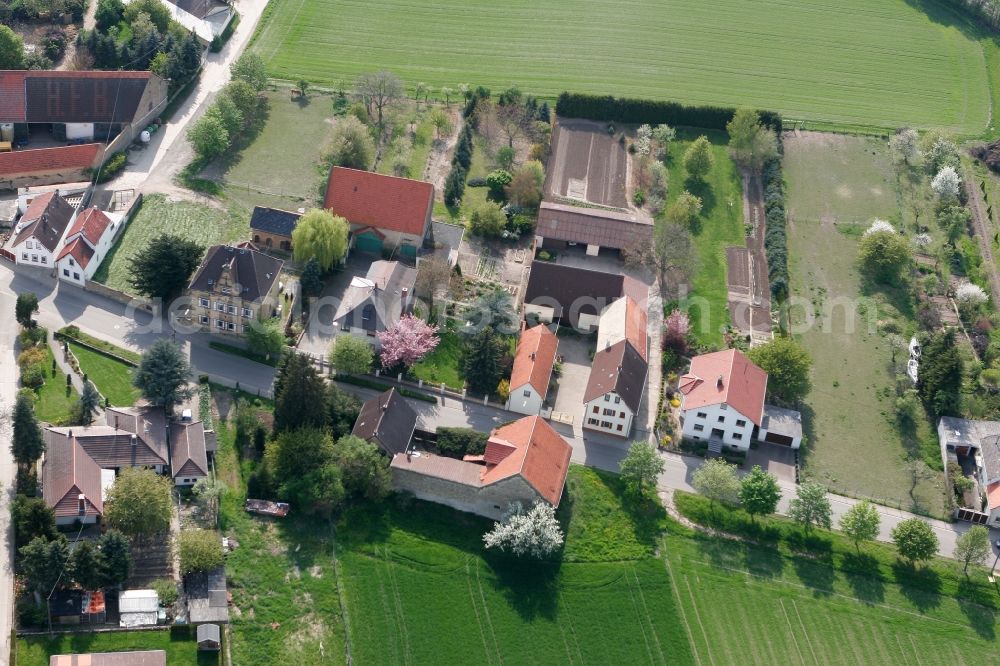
(775, 240)
(115, 352)
(380, 386)
(454, 184)
(459, 442)
(652, 112)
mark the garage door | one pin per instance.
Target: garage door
(774, 438)
(368, 243)
(409, 251)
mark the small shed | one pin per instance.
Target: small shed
(138, 608)
(209, 637)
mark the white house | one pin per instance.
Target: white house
(978, 443)
(614, 390)
(87, 242)
(38, 236)
(533, 363)
(722, 399)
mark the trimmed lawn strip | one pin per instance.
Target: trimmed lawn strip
(719, 226)
(382, 386)
(112, 378)
(444, 364)
(888, 63)
(54, 403)
(179, 643)
(85, 339)
(243, 353)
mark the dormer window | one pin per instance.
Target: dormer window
(71, 262)
(227, 290)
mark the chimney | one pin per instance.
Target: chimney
(81, 504)
(71, 433)
(718, 382)
(135, 441)
(532, 356)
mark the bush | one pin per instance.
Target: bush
(652, 112)
(111, 168)
(458, 442)
(775, 238)
(167, 591)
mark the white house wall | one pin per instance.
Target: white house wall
(720, 417)
(611, 417)
(524, 400)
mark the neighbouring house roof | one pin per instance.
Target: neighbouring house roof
(133, 658)
(84, 96)
(67, 473)
(534, 359)
(371, 199)
(254, 272)
(782, 421)
(981, 435)
(79, 250)
(539, 454)
(91, 224)
(577, 291)
(138, 601)
(39, 160)
(388, 420)
(386, 287)
(528, 447)
(188, 457)
(727, 377)
(274, 221)
(593, 226)
(207, 596)
(45, 220)
(148, 423)
(623, 320)
(619, 369)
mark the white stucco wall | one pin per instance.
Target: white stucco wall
(708, 418)
(79, 131)
(524, 400)
(622, 415)
(32, 253)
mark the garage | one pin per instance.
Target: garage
(368, 242)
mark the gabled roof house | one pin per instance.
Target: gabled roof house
(388, 421)
(386, 213)
(376, 302)
(38, 236)
(532, 371)
(273, 227)
(234, 286)
(87, 243)
(525, 461)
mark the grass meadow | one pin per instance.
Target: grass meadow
(884, 63)
(720, 225)
(853, 443)
(179, 644)
(202, 224)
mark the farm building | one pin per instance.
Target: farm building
(376, 302)
(86, 244)
(525, 461)
(387, 214)
(273, 227)
(575, 297)
(563, 225)
(50, 109)
(532, 371)
(387, 421)
(126, 658)
(138, 608)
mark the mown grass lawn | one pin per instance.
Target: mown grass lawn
(444, 364)
(179, 644)
(54, 403)
(202, 224)
(853, 443)
(887, 63)
(112, 378)
(719, 226)
(791, 599)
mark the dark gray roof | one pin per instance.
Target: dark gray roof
(386, 420)
(782, 421)
(255, 272)
(206, 594)
(274, 221)
(619, 368)
(70, 97)
(594, 226)
(577, 290)
(209, 632)
(46, 219)
(983, 435)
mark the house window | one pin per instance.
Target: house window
(722, 419)
(621, 415)
(204, 320)
(737, 435)
(203, 302)
(702, 415)
(34, 258)
(723, 406)
(607, 398)
(617, 400)
(592, 422)
(609, 412)
(66, 272)
(619, 427)
(740, 423)
(247, 313)
(227, 290)
(699, 427)
(597, 410)
(220, 306)
(29, 245)
(71, 262)
(24, 256)
(527, 393)
(232, 309)
(606, 424)
(231, 326)
(220, 324)
(76, 276)
(45, 259)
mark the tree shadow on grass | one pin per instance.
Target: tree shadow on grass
(815, 566)
(865, 578)
(922, 586)
(981, 618)
(530, 586)
(762, 561)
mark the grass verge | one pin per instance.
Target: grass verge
(111, 377)
(243, 353)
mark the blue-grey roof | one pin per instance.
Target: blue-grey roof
(274, 221)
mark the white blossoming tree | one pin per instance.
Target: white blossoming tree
(904, 146)
(643, 138)
(922, 240)
(879, 226)
(535, 534)
(946, 183)
(970, 294)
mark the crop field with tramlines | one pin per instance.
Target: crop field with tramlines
(884, 63)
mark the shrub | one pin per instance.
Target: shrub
(458, 442)
(167, 591)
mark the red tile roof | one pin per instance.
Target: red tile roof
(67, 473)
(91, 223)
(536, 354)
(12, 104)
(725, 377)
(385, 202)
(48, 159)
(78, 250)
(541, 457)
(75, 74)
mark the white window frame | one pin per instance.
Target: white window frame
(220, 324)
(231, 309)
(220, 306)
(247, 313)
(205, 303)
(204, 320)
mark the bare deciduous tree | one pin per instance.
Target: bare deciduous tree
(378, 91)
(671, 255)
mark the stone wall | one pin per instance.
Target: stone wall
(489, 501)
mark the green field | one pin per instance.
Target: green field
(112, 378)
(885, 63)
(202, 224)
(179, 644)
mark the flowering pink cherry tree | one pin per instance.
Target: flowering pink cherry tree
(675, 331)
(407, 342)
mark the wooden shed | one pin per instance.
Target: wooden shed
(209, 637)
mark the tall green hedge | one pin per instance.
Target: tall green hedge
(653, 112)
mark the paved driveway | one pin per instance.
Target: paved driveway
(773, 458)
(571, 385)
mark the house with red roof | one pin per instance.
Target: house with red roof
(89, 239)
(386, 213)
(722, 403)
(532, 371)
(525, 461)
